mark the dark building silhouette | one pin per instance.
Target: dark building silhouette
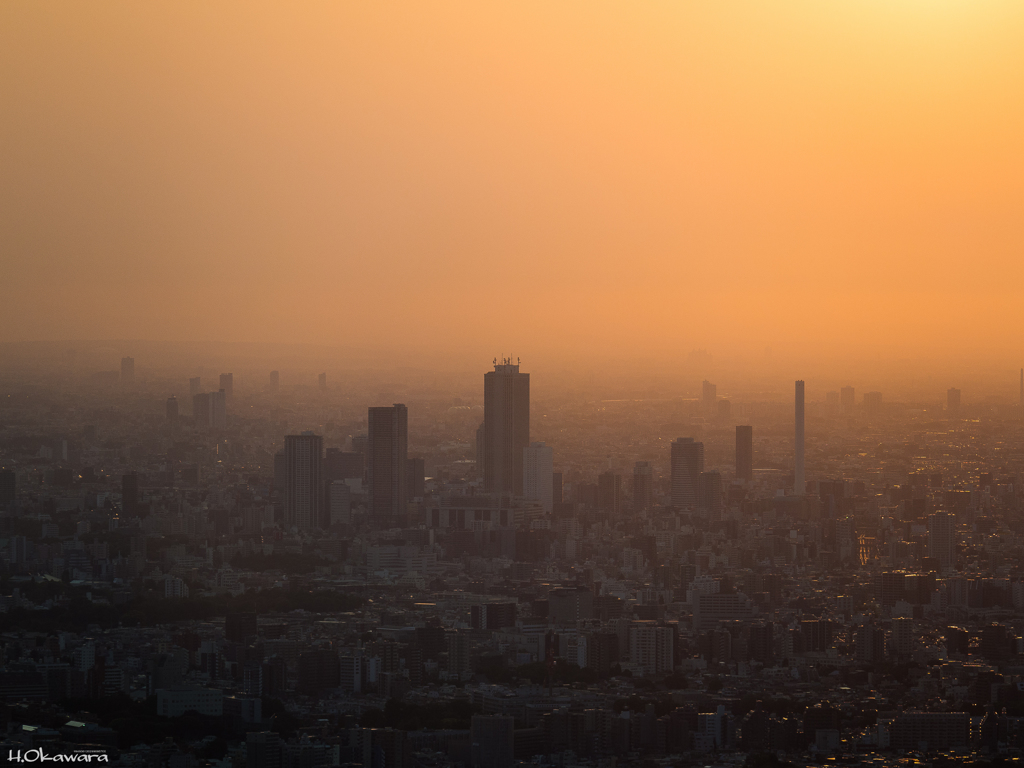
(708, 393)
(506, 427)
(687, 460)
(275, 380)
(172, 408)
(303, 481)
(227, 384)
(709, 492)
(745, 453)
(953, 400)
(387, 462)
(322, 381)
(643, 486)
(343, 465)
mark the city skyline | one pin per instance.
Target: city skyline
(523, 385)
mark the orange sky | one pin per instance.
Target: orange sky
(616, 177)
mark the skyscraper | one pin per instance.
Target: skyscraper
(227, 384)
(172, 408)
(386, 461)
(643, 486)
(538, 473)
(303, 481)
(275, 380)
(709, 393)
(953, 400)
(709, 493)
(218, 409)
(194, 385)
(322, 381)
(127, 370)
(687, 461)
(799, 486)
(506, 427)
(745, 453)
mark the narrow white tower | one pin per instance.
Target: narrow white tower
(798, 481)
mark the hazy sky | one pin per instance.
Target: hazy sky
(515, 176)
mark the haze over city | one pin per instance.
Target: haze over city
(838, 183)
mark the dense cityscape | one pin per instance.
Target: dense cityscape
(255, 571)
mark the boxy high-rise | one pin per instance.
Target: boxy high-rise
(506, 427)
(387, 463)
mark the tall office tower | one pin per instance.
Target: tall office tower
(745, 453)
(687, 461)
(386, 461)
(942, 540)
(227, 383)
(322, 381)
(799, 485)
(201, 409)
(709, 393)
(303, 481)
(846, 395)
(415, 477)
(538, 474)
(130, 494)
(275, 380)
(609, 492)
(953, 400)
(709, 493)
(218, 409)
(194, 385)
(127, 370)
(643, 486)
(506, 427)
(172, 408)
